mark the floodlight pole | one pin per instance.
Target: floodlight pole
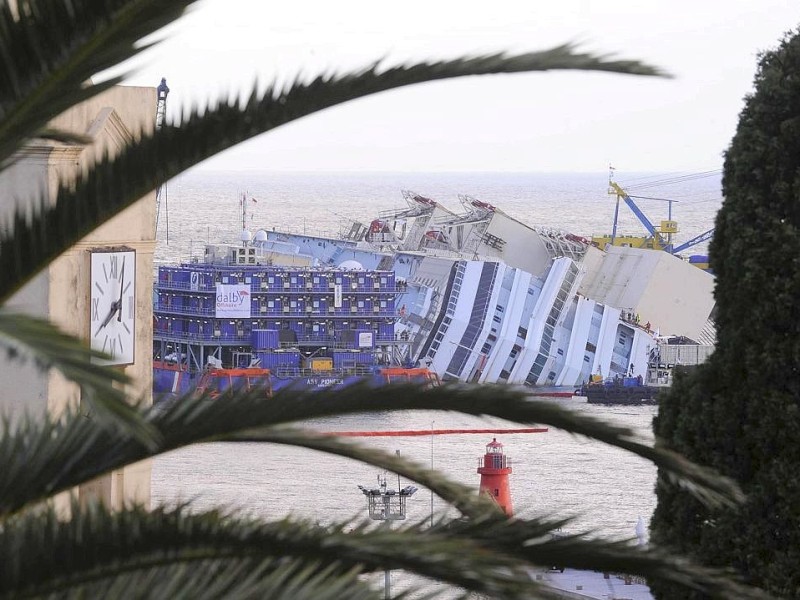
(387, 505)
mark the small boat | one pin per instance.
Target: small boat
(630, 391)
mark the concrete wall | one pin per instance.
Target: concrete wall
(61, 292)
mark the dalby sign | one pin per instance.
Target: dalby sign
(233, 301)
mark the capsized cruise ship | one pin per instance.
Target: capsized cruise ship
(483, 297)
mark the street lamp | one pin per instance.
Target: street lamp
(387, 505)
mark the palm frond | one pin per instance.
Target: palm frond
(532, 540)
(489, 555)
(31, 242)
(96, 544)
(51, 48)
(30, 338)
(513, 405)
(85, 451)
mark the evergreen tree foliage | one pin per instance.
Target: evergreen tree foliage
(740, 412)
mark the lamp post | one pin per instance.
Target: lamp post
(387, 505)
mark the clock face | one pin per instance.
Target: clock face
(112, 305)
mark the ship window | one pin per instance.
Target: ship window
(447, 320)
(585, 359)
(560, 352)
(496, 318)
(486, 349)
(435, 345)
(500, 308)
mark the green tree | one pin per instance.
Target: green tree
(49, 49)
(739, 412)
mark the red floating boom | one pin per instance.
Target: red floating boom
(421, 432)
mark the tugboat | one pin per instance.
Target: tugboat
(630, 391)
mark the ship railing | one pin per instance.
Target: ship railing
(201, 337)
(334, 344)
(273, 312)
(293, 372)
(184, 310)
(337, 312)
(247, 337)
(257, 288)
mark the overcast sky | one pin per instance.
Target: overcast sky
(529, 122)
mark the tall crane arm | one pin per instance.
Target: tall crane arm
(639, 214)
(694, 241)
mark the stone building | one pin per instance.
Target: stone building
(63, 292)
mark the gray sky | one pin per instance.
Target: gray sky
(529, 122)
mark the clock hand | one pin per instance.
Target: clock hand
(121, 282)
(114, 308)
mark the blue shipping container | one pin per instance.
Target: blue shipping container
(264, 339)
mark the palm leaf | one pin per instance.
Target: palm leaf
(489, 554)
(27, 337)
(532, 540)
(51, 48)
(33, 241)
(97, 544)
(511, 404)
(36, 467)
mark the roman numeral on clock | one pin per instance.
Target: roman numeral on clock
(115, 267)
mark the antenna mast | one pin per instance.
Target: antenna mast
(161, 113)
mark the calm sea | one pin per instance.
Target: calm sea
(604, 489)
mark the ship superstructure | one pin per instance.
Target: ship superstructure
(490, 299)
(476, 296)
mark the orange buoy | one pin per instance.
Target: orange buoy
(494, 470)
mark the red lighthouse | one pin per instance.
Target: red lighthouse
(495, 469)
